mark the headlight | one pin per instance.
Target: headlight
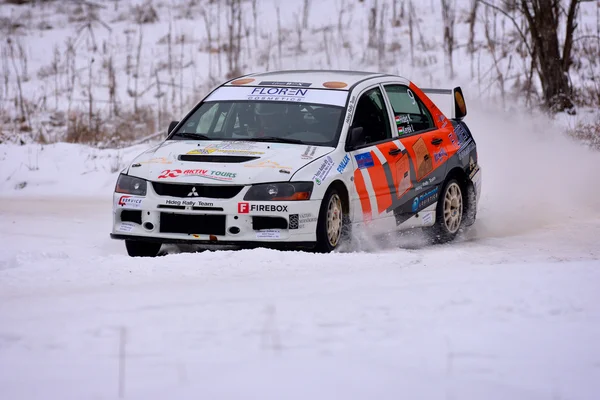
(280, 191)
(131, 185)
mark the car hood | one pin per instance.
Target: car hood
(219, 162)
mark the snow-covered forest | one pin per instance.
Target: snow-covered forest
(110, 72)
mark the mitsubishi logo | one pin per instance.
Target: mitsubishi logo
(193, 192)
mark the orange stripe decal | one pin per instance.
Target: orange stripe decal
(380, 184)
(363, 195)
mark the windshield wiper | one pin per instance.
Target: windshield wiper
(193, 135)
(276, 139)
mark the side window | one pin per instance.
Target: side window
(372, 116)
(410, 113)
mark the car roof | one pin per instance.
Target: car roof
(320, 79)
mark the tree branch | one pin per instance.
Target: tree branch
(512, 19)
(571, 25)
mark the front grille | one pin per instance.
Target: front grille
(131, 216)
(216, 158)
(190, 224)
(259, 223)
(210, 191)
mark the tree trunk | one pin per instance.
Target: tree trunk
(543, 19)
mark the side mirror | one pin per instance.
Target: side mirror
(356, 135)
(172, 126)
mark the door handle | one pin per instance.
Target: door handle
(436, 141)
(394, 152)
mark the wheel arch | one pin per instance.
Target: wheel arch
(344, 194)
(468, 188)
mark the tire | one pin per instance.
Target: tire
(333, 226)
(449, 214)
(142, 249)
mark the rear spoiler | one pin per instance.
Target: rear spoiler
(460, 108)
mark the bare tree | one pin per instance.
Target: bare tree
(373, 26)
(208, 26)
(19, 76)
(234, 30)
(543, 20)
(449, 18)
(305, 13)
(411, 21)
(541, 38)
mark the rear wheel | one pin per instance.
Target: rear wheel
(333, 225)
(449, 213)
(142, 249)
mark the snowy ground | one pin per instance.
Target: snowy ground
(511, 311)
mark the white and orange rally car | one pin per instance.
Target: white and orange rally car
(296, 159)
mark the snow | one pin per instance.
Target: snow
(510, 310)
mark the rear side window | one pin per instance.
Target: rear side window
(410, 114)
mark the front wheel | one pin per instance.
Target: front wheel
(142, 249)
(333, 225)
(449, 213)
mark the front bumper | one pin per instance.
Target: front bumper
(199, 220)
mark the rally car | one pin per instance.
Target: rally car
(297, 159)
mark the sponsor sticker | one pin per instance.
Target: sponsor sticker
(351, 106)
(427, 217)
(125, 227)
(342, 166)
(403, 119)
(425, 183)
(281, 83)
(424, 199)
(207, 151)
(452, 138)
(293, 221)
(284, 94)
(364, 160)
(203, 173)
(463, 153)
(473, 168)
(461, 134)
(245, 208)
(443, 120)
(233, 147)
(188, 203)
(157, 160)
(268, 234)
(305, 218)
(130, 202)
(323, 170)
(405, 130)
(266, 164)
(440, 155)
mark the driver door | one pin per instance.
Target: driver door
(381, 164)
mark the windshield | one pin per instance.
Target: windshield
(286, 122)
